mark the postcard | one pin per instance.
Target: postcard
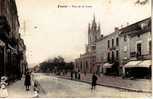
(75, 49)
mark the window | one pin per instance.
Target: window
(108, 44)
(108, 57)
(86, 65)
(138, 35)
(125, 38)
(112, 56)
(112, 42)
(138, 49)
(117, 41)
(117, 55)
(81, 66)
(150, 47)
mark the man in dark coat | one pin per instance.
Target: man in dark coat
(27, 81)
(94, 81)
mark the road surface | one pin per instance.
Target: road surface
(56, 88)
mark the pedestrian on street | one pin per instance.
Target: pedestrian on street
(27, 81)
(94, 81)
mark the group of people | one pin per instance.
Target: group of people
(27, 84)
(75, 75)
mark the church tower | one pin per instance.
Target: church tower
(93, 31)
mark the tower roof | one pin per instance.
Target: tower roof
(94, 24)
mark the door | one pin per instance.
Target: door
(138, 49)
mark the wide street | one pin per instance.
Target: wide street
(57, 87)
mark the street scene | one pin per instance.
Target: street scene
(75, 49)
(51, 85)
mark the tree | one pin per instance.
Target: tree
(57, 63)
(141, 2)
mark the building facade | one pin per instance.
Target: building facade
(12, 47)
(107, 53)
(125, 51)
(136, 48)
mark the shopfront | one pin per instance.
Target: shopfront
(138, 69)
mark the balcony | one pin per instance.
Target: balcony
(111, 48)
(134, 55)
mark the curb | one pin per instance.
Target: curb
(111, 86)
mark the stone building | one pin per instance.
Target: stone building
(107, 53)
(12, 48)
(135, 48)
(87, 61)
(126, 51)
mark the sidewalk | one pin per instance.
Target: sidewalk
(17, 90)
(138, 85)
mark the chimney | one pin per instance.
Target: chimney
(116, 29)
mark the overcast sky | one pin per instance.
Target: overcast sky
(50, 31)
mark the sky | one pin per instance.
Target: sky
(49, 30)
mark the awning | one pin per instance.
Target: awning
(107, 65)
(132, 64)
(145, 63)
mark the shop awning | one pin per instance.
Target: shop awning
(132, 64)
(107, 65)
(145, 63)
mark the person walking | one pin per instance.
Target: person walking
(27, 81)
(94, 82)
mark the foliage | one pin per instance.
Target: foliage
(56, 64)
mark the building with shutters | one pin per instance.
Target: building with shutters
(126, 51)
(12, 48)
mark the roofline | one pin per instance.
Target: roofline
(122, 29)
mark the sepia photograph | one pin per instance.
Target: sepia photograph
(76, 49)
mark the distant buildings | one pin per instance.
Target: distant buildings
(12, 48)
(126, 51)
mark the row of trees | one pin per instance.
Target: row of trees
(56, 65)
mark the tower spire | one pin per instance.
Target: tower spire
(94, 19)
(89, 28)
(99, 29)
(94, 24)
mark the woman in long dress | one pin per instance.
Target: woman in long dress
(27, 81)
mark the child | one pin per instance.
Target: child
(36, 90)
(3, 89)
